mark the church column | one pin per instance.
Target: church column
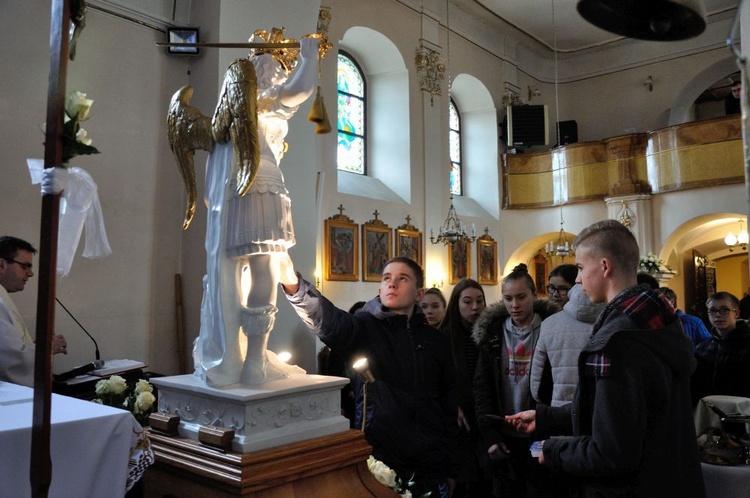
(430, 61)
(630, 195)
(636, 213)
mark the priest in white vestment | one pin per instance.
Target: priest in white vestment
(17, 350)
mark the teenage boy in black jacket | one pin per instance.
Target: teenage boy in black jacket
(631, 418)
(411, 418)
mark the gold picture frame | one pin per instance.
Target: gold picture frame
(341, 248)
(377, 248)
(409, 242)
(487, 270)
(459, 261)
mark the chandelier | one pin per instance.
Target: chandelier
(740, 239)
(561, 247)
(452, 230)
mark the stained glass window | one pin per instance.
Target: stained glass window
(454, 143)
(350, 155)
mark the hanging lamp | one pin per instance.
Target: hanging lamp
(656, 20)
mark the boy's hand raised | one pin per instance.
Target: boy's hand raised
(288, 278)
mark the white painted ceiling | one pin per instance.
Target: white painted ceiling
(572, 32)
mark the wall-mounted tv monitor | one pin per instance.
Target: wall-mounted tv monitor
(527, 125)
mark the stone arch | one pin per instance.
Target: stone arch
(683, 101)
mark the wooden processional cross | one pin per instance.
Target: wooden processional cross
(41, 463)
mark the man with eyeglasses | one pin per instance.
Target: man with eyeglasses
(724, 359)
(17, 348)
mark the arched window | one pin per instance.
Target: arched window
(351, 153)
(454, 143)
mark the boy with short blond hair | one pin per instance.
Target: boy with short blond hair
(631, 418)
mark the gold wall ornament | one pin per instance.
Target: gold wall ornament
(430, 70)
(626, 215)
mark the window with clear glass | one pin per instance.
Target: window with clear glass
(454, 143)
(350, 154)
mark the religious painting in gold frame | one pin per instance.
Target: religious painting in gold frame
(459, 261)
(409, 242)
(341, 248)
(486, 260)
(377, 248)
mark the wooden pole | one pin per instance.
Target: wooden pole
(179, 311)
(41, 463)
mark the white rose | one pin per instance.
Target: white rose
(117, 384)
(83, 137)
(143, 386)
(382, 472)
(102, 387)
(78, 105)
(144, 402)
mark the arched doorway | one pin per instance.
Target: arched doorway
(700, 241)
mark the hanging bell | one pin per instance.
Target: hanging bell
(318, 110)
(323, 126)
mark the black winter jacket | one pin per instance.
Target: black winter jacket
(631, 417)
(723, 364)
(411, 418)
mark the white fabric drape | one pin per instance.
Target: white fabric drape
(79, 208)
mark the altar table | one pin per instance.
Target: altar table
(90, 445)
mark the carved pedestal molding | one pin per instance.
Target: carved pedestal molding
(265, 416)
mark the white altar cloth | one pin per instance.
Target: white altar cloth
(90, 445)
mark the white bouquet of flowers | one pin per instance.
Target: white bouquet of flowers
(387, 476)
(138, 399)
(651, 263)
(76, 141)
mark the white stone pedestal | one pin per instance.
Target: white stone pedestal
(264, 416)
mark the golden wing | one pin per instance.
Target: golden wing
(236, 119)
(188, 129)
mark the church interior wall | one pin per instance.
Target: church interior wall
(127, 299)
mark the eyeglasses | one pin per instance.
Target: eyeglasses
(25, 266)
(723, 311)
(563, 291)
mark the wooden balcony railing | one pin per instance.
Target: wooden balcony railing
(690, 155)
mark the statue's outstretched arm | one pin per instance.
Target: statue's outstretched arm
(236, 119)
(302, 82)
(188, 129)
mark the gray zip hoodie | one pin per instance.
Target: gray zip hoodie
(561, 339)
